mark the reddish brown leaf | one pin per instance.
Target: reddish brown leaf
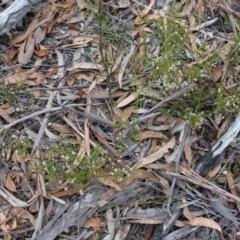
(126, 113)
(41, 52)
(60, 128)
(9, 184)
(80, 93)
(217, 73)
(94, 222)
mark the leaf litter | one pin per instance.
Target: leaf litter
(81, 83)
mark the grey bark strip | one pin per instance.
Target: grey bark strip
(208, 161)
(13, 14)
(177, 161)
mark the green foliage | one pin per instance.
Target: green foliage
(178, 65)
(8, 93)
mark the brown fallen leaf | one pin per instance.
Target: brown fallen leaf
(100, 138)
(223, 128)
(80, 93)
(126, 113)
(138, 174)
(4, 227)
(69, 3)
(71, 80)
(64, 193)
(128, 99)
(217, 73)
(22, 213)
(205, 222)
(16, 157)
(232, 187)
(86, 66)
(41, 52)
(156, 155)
(30, 29)
(60, 128)
(110, 181)
(188, 154)
(94, 222)
(26, 50)
(169, 120)
(50, 73)
(9, 184)
(150, 134)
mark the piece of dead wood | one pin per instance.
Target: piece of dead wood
(180, 233)
(209, 160)
(198, 181)
(13, 14)
(163, 229)
(183, 136)
(76, 216)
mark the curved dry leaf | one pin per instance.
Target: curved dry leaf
(5, 116)
(128, 99)
(61, 70)
(9, 184)
(87, 66)
(50, 134)
(71, 80)
(30, 29)
(40, 34)
(69, 4)
(217, 73)
(186, 212)
(41, 52)
(148, 8)
(94, 222)
(60, 128)
(4, 227)
(126, 113)
(26, 50)
(110, 181)
(56, 199)
(24, 214)
(171, 158)
(188, 154)
(143, 13)
(205, 222)
(232, 186)
(150, 134)
(223, 128)
(139, 174)
(80, 154)
(168, 119)
(157, 155)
